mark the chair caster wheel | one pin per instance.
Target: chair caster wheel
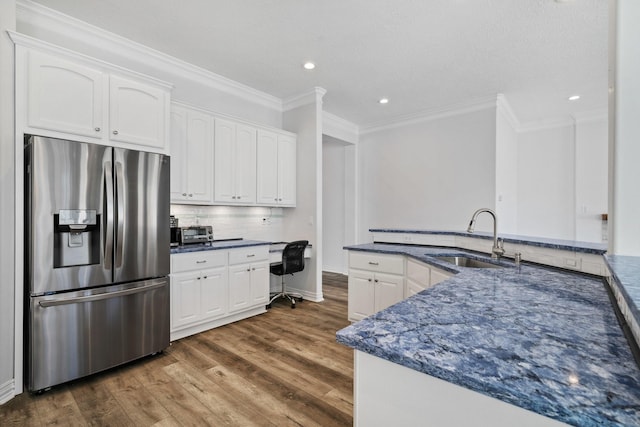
(293, 304)
(268, 306)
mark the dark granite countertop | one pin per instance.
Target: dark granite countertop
(222, 244)
(626, 271)
(539, 338)
(569, 245)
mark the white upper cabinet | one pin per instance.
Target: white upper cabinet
(191, 156)
(62, 94)
(137, 113)
(234, 163)
(276, 170)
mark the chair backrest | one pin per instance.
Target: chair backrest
(293, 256)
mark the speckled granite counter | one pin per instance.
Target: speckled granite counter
(541, 339)
(223, 244)
(571, 245)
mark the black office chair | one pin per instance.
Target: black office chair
(292, 262)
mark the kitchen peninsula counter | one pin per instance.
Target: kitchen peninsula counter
(541, 339)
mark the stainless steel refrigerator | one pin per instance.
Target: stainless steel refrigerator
(97, 258)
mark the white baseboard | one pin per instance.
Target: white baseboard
(7, 391)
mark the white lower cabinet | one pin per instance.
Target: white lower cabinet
(376, 281)
(421, 276)
(213, 288)
(248, 277)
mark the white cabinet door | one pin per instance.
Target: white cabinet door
(389, 290)
(137, 113)
(287, 172)
(267, 169)
(239, 287)
(185, 299)
(260, 283)
(276, 178)
(438, 276)
(191, 156)
(235, 163)
(179, 155)
(224, 157)
(245, 164)
(361, 301)
(64, 96)
(214, 292)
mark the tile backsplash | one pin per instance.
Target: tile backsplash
(228, 222)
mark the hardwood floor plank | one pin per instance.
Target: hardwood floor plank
(281, 368)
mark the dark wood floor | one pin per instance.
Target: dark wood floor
(282, 368)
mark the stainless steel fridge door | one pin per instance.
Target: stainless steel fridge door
(63, 180)
(142, 233)
(80, 333)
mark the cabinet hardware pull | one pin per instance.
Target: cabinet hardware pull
(204, 277)
(280, 200)
(373, 263)
(97, 129)
(198, 278)
(201, 262)
(369, 280)
(233, 197)
(376, 280)
(248, 269)
(184, 194)
(276, 199)
(115, 132)
(238, 197)
(251, 255)
(190, 195)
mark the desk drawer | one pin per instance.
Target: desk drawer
(198, 260)
(250, 254)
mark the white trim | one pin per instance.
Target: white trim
(340, 128)
(32, 13)
(305, 98)
(432, 114)
(591, 116)
(507, 111)
(546, 124)
(7, 391)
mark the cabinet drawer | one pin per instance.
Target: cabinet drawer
(250, 254)
(377, 262)
(198, 260)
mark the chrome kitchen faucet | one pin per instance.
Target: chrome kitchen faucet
(498, 245)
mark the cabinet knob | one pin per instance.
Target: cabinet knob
(238, 197)
(97, 129)
(115, 132)
(369, 280)
(376, 280)
(248, 269)
(198, 278)
(204, 277)
(233, 197)
(279, 200)
(253, 269)
(184, 194)
(275, 200)
(190, 195)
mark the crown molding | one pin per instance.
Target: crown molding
(303, 99)
(340, 128)
(34, 14)
(478, 104)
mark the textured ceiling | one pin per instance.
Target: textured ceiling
(421, 54)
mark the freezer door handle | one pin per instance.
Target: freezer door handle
(106, 295)
(120, 198)
(108, 238)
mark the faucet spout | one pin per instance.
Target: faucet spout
(497, 250)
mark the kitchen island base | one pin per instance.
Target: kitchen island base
(387, 394)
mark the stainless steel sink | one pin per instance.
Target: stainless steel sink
(463, 261)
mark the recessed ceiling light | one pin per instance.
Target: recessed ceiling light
(309, 65)
(383, 101)
(574, 97)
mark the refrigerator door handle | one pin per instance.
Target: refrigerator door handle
(102, 296)
(108, 238)
(120, 198)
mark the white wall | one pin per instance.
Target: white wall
(591, 178)
(625, 212)
(305, 221)
(506, 173)
(334, 191)
(428, 175)
(546, 182)
(7, 202)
